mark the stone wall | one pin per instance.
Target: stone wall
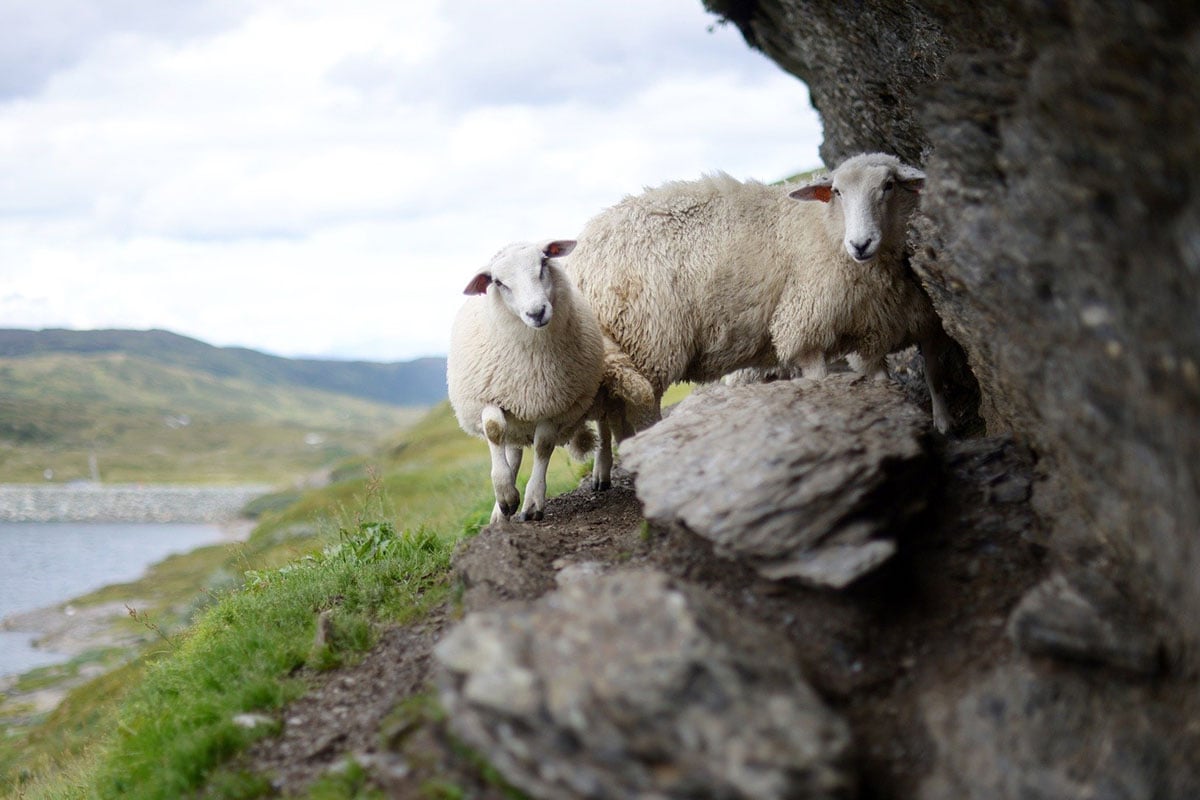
(123, 503)
(1060, 236)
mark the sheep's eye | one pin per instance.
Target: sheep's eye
(837, 192)
(499, 284)
(887, 187)
(542, 271)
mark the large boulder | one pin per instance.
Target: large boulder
(631, 684)
(1059, 235)
(801, 479)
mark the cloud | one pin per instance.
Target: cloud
(323, 179)
(43, 38)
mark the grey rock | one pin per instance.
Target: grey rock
(252, 721)
(1085, 618)
(631, 685)
(803, 479)
(1059, 234)
(1055, 735)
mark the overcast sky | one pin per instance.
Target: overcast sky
(310, 178)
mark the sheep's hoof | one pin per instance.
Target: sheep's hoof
(508, 509)
(601, 486)
(530, 516)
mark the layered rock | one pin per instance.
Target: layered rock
(801, 479)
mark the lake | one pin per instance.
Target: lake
(46, 563)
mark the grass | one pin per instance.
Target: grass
(141, 421)
(365, 552)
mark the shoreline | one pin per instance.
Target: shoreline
(69, 630)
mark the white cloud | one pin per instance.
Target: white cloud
(312, 178)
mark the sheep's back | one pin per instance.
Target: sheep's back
(683, 277)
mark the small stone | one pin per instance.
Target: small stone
(252, 721)
(836, 566)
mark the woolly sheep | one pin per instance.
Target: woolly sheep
(525, 365)
(696, 279)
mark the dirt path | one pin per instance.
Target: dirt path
(934, 617)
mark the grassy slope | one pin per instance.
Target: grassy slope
(162, 726)
(58, 410)
(411, 383)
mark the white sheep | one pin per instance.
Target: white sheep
(696, 279)
(525, 364)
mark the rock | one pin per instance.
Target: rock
(252, 721)
(1059, 234)
(802, 479)
(1020, 734)
(629, 684)
(1085, 618)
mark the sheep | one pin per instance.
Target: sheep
(696, 279)
(525, 365)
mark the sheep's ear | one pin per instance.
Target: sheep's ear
(820, 189)
(910, 178)
(559, 248)
(478, 284)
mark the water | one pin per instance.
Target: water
(46, 563)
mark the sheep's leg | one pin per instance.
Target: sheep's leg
(871, 366)
(504, 483)
(535, 490)
(815, 367)
(932, 349)
(602, 468)
(513, 454)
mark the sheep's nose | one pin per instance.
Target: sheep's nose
(862, 250)
(539, 317)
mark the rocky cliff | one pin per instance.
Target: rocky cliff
(826, 599)
(1033, 632)
(1060, 236)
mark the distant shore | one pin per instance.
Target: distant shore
(90, 502)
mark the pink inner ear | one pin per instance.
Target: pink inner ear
(478, 284)
(818, 192)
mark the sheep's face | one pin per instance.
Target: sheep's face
(870, 198)
(521, 277)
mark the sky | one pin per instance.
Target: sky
(323, 179)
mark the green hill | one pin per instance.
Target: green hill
(156, 407)
(411, 383)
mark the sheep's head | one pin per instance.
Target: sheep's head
(520, 276)
(870, 198)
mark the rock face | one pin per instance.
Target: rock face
(1035, 735)
(1033, 631)
(631, 685)
(601, 657)
(801, 479)
(1060, 235)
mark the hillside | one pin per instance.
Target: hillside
(411, 383)
(157, 407)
